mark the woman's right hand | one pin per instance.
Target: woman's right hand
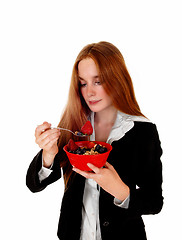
(47, 139)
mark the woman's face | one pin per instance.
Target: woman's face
(91, 88)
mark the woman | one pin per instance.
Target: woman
(106, 203)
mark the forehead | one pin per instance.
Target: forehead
(87, 67)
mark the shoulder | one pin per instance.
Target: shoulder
(144, 126)
(145, 130)
(147, 138)
(141, 125)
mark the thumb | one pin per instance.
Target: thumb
(108, 165)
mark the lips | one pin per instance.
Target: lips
(93, 102)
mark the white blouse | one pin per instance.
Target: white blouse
(90, 229)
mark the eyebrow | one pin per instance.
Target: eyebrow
(80, 78)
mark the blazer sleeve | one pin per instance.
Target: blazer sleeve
(147, 197)
(32, 178)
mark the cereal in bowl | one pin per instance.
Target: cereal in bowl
(90, 148)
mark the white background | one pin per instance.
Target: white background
(39, 41)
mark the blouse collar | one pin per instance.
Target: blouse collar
(123, 123)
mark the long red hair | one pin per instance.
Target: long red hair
(116, 81)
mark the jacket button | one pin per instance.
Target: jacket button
(105, 224)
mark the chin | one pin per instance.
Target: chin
(95, 109)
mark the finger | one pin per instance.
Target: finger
(47, 134)
(94, 168)
(41, 128)
(47, 137)
(108, 165)
(83, 173)
(50, 144)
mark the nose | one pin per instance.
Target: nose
(90, 91)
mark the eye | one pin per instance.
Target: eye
(82, 84)
(97, 83)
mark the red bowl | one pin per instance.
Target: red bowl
(80, 161)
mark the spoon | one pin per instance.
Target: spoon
(78, 134)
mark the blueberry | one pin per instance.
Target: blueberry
(102, 150)
(97, 148)
(83, 150)
(79, 134)
(78, 151)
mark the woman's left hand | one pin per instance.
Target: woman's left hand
(108, 179)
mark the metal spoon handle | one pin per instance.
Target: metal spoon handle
(65, 129)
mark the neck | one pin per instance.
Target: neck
(106, 117)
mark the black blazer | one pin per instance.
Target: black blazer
(136, 158)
